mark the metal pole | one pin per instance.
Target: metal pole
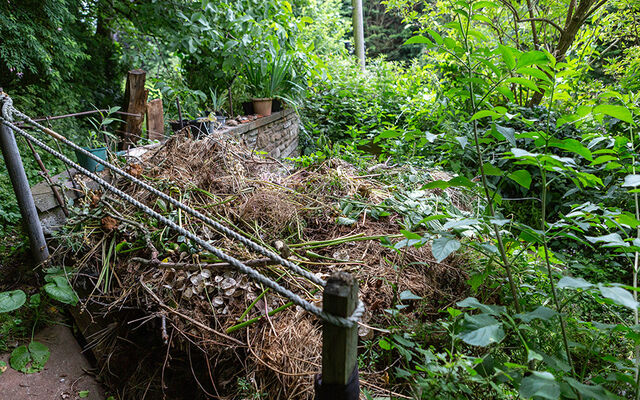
(23, 194)
(358, 31)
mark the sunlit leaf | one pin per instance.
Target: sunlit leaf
(620, 112)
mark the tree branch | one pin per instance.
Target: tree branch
(548, 21)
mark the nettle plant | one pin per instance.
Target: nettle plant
(555, 335)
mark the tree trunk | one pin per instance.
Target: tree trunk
(572, 25)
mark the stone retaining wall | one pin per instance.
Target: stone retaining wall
(277, 134)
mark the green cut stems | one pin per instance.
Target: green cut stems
(333, 242)
(270, 314)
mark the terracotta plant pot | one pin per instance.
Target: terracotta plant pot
(262, 106)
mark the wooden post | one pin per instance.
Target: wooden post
(135, 102)
(339, 345)
(358, 31)
(22, 190)
(155, 120)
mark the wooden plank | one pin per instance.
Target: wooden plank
(155, 120)
(136, 103)
(339, 345)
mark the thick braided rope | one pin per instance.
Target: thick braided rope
(247, 242)
(255, 275)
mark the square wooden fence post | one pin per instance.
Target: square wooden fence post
(339, 380)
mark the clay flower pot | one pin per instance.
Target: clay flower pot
(262, 106)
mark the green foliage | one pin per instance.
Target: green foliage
(29, 359)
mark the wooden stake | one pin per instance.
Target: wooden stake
(155, 120)
(339, 345)
(135, 103)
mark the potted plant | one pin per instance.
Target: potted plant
(97, 141)
(268, 80)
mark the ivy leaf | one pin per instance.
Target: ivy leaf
(481, 330)
(569, 282)
(542, 312)
(620, 112)
(522, 177)
(12, 300)
(541, 385)
(442, 247)
(619, 296)
(59, 289)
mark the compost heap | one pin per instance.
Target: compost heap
(192, 303)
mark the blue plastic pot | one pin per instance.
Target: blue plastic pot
(89, 163)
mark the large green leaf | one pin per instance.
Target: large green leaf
(620, 112)
(507, 56)
(508, 133)
(631, 181)
(442, 247)
(458, 181)
(573, 146)
(59, 289)
(522, 177)
(542, 312)
(540, 385)
(29, 359)
(20, 358)
(569, 282)
(533, 57)
(588, 392)
(481, 330)
(619, 296)
(610, 240)
(419, 39)
(472, 302)
(12, 300)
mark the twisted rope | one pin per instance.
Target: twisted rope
(7, 110)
